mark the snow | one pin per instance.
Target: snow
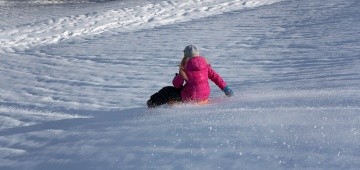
(75, 76)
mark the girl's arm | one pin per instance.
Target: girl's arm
(178, 81)
(216, 78)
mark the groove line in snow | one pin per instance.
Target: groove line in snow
(54, 30)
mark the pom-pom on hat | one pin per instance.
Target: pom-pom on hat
(191, 51)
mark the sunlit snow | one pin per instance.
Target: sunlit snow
(75, 77)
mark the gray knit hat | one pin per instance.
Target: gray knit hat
(191, 51)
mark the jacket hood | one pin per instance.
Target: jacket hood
(196, 63)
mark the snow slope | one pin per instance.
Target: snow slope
(145, 16)
(75, 78)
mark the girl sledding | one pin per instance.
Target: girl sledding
(190, 84)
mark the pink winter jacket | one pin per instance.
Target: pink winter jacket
(197, 88)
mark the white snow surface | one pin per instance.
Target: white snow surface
(75, 77)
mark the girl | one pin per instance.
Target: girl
(191, 83)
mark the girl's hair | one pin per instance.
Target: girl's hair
(183, 61)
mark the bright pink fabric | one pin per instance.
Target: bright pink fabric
(197, 88)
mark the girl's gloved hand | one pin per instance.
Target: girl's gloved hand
(228, 92)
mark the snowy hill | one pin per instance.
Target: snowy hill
(75, 78)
